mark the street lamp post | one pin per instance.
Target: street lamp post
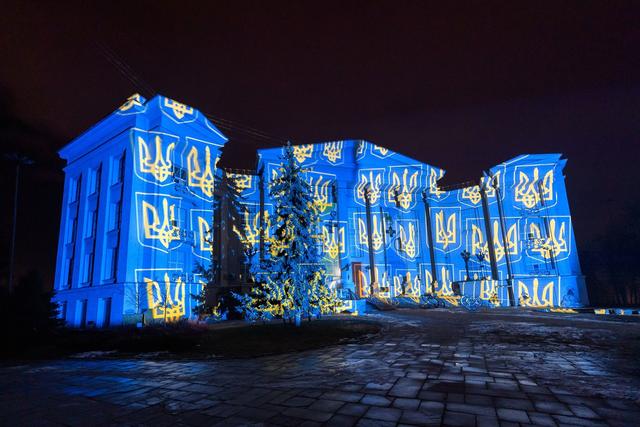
(465, 256)
(20, 160)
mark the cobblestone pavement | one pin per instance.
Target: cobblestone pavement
(427, 368)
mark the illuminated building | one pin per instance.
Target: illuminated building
(137, 215)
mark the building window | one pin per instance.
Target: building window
(114, 263)
(92, 224)
(114, 221)
(176, 261)
(111, 263)
(88, 267)
(72, 227)
(70, 269)
(115, 215)
(117, 169)
(73, 188)
(62, 313)
(81, 313)
(179, 173)
(94, 180)
(75, 185)
(105, 321)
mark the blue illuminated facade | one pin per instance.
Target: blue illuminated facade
(137, 213)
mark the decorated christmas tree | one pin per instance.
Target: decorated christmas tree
(293, 282)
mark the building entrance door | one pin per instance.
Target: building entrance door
(358, 279)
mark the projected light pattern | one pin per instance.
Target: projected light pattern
(384, 198)
(150, 209)
(146, 196)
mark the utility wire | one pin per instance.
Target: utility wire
(246, 131)
(146, 89)
(125, 70)
(245, 127)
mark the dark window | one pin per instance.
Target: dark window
(92, 223)
(117, 172)
(63, 310)
(88, 267)
(74, 188)
(106, 321)
(179, 173)
(70, 269)
(94, 180)
(83, 313)
(111, 263)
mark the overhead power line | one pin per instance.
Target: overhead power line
(141, 85)
(246, 131)
(147, 90)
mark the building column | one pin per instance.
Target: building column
(487, 225)
(432, 255)
(503, 231)
(372, 265)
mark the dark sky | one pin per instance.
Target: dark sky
(462, 87)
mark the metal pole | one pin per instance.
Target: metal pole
(261, 216)
(13, 228)
(20, 160)
(512, 300)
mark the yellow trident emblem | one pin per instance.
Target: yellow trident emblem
(489, 291)
(332, 241)
(402, 193)
(372, 184)
(408, 240)
(205, 235)
(376, 233)
(553, 245)
(252, 228)
(165, 230)
(530, 192)
(165, 304)
(320, 194)
(448, 235)
(480, 244)
(133, 100)
(302, 152)
(428, 284)
(411, 286)
(242, 182)
(160, 166)
(198, 176)
(179, 109)
(473, 195)
(532, 298)
(445, 288)
(333, 151)
(433, 183)
(384, 283)
(383, 151)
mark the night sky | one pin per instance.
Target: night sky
(462, 87)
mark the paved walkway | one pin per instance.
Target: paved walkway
(429, 367)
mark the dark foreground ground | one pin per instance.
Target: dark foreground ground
(185, 340)
(426, 368)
